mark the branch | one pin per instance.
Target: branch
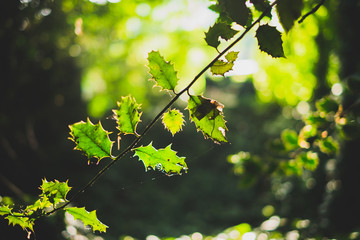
(312, 11)
(158, 116)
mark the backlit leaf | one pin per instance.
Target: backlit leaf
(221, 67)
(88, 218)
(236, 10)
(5, 210)
(54, 190)
(127, 115)
(162, 72)
(289, 11)
(290, 139)
(91, 139)
(269, 41)
(208, 117)
(328, 145)
(23, 222)
(164, 159)
(173, 120)
(219, 29)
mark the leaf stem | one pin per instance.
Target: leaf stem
(158, 116)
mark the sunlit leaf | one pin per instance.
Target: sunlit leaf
(19, 219)
(328, 145)
(162, 72)
(236, 10)
(208, 117)
(289, 11)
(127, 115)
(290, 139)
(219, 29)
(309, 160)
(269, 41)
(4, 209)
(91, 139)
(56, 191)
(164, 159)
(327, 105)
(221, 67)
(88, 218)
(173, 120)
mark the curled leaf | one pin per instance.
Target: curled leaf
(127, 116)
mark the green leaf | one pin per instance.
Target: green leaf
(19, 219)
(290, 139)
(173, 120)
(328, 145)
(269, 41)
(327, 105)
(261, 5)
(162, 72)
(56, 191)
(236, 10)
(91, 139)
(289, 11)
(221, 67)
(164, 159)
(219, 29)
(127, 116)
(5, 210)
(208, 117)
(309, 160)
(88, 218)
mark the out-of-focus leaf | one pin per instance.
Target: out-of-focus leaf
(91, 139)
(327, 105)
(317, 120)
(208, 117)
(56, 191)
(350, 130)
(269, 41)
(164, 159)
(306, 135)
(162, 72)
(290, 139)
(236, 10)
(289, 11)
(309, 160)
(127, 116)
(173, 120)
(219, 29)
(5, 210)
(221, 67)
(328, 145)
(88, 218)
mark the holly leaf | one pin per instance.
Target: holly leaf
(55, 191)
(208, 117)
(127, 116)
(173, 120)
(269, 41)
(19, 219)
(91, 139)
(162, 72)
(219, 29)
(236, 10)
(88, 218)
(164, 159)
(221, 67)
(4, 210)
(289, 11)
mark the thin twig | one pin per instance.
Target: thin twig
(158, 116)
(312, 11)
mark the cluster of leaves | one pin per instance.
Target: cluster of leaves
(53, 196)
(334, 118)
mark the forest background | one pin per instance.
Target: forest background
(62, 61)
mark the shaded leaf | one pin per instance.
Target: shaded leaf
(327, 105)
(269, 41)
(54, 190)
(91, 139)
(173, 120)
(208, 117)
(261, 5)
(236, 10)
(164, 159)
(162, 72)
(219, 29)
(221, 67)
(88, 218)
(289, 11)
(127, 116)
